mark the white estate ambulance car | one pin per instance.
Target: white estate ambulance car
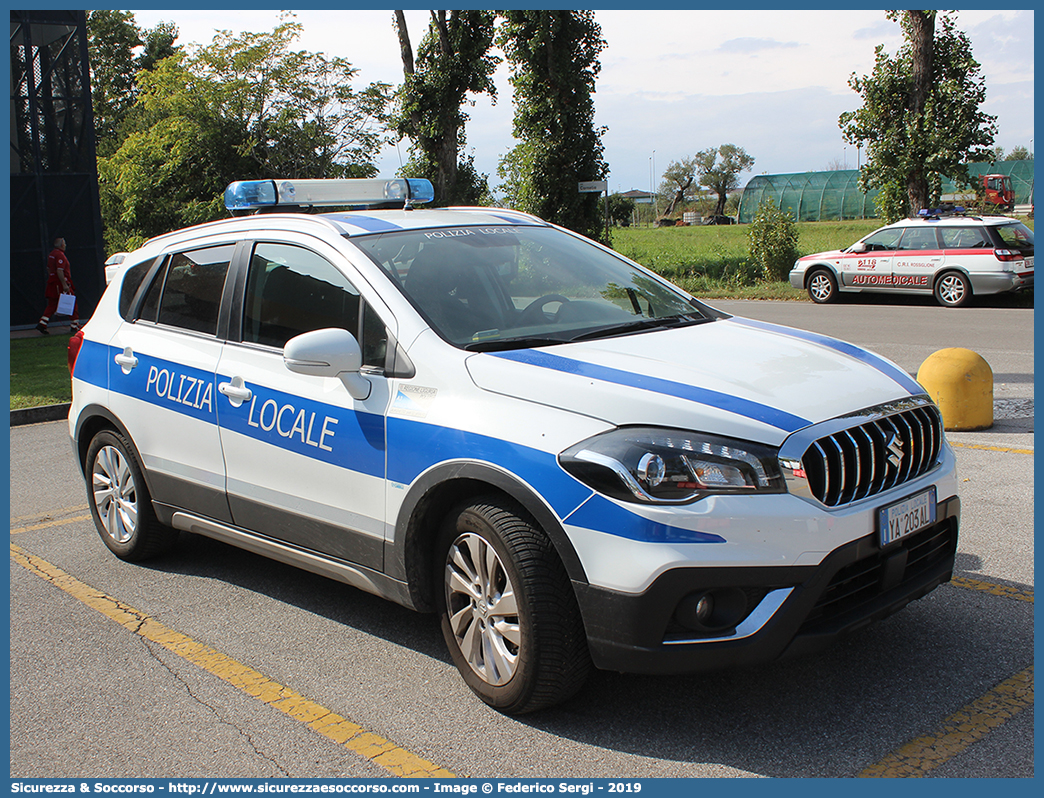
(476, 413)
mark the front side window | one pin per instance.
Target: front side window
(510, 287)
(292, 290)
(186, 292)
(883, 240)
(919, 238)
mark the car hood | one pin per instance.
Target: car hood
(828, 255)
(735, 376)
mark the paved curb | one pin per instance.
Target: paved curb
(38, 415)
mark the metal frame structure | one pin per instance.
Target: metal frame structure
(54, 176)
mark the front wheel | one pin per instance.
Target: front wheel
(508, 612)
(822, 286)
(120, 501)
(953, 290)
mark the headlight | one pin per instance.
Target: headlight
(664, 466)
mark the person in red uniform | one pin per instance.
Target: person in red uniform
(59, 281)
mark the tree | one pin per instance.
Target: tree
(112, 37)
(453, 61)
(722, 176)
(554, 64)
(679, 177)
(1019, 153)
(245, 106)
(920, 120)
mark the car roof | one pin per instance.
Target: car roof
(953, 221)
(349, 223)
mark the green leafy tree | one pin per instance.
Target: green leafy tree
(554, 63)
(678, 180)
(1019, 153)
(245, 106)
(773, 239)
(920, 120)
(453, 61)
(112, 37)
(719, 169)
(621, 209)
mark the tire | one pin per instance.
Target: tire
(822, 286)
(120, 501)
(507, 609)
(953, 290)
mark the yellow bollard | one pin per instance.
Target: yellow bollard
(960, 382)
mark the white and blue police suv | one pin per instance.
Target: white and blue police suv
(473, 412)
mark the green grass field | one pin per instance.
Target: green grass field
(40, 371)
(711, 261)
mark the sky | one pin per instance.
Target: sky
(675, 82)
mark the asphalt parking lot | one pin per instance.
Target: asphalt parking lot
(216, 663)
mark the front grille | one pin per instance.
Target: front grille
(863, 581)
(873, 457)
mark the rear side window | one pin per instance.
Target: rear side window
(965, 238)
(186, 292)
(131, 282)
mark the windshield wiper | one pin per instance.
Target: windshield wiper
(663, 322)
(503, 344)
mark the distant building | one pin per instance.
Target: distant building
(641, 197)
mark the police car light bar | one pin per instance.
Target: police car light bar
(257, 194)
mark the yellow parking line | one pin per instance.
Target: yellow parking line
(966, 726)
(48, 516)
(46, 524)
(983, 447)
(340, 730)
(993, 587)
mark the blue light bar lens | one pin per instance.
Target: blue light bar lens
(421, 190)
(250, 194)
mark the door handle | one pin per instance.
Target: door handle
(236, 391)
(126, 360)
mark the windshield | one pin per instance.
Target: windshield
(509, 287)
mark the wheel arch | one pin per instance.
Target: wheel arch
(820, 266)
(434, 494)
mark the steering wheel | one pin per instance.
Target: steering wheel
(534, 311)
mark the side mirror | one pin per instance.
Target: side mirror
(331, 352)
(858, 246)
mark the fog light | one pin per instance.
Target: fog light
(713, 611)
(704, 609)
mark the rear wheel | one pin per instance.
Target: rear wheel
(120, 501)
(953, 290)
(507, 608)
(822, 286)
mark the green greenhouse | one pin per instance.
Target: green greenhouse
(826, 196)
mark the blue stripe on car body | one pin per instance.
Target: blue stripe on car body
(354, 440)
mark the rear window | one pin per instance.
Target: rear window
(1014, 236)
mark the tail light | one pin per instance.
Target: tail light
(74, 349)
(1007, 254)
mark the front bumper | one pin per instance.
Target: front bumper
(798, 609)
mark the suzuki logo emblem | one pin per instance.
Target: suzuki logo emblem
(895, 448)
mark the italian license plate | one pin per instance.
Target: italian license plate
(906, 517)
